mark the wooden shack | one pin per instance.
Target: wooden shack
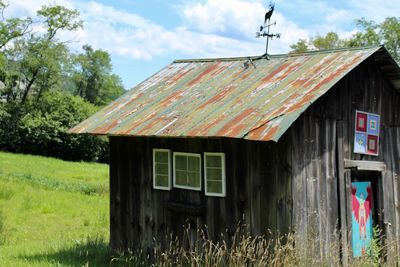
(271, 141)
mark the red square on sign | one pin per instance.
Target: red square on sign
(372, 144)
(361, 122)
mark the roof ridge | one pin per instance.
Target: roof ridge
(265, 56)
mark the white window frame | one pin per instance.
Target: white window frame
(155, 150)
(174, 170)
(222, 155)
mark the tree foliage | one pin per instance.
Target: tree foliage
(370, 33)
(93, 78)
(11, 28)
(59, 18)
(33, 64)
(38, 77)
(42, 128)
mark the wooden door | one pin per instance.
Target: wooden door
(362, 209)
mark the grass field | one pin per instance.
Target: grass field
(52, 212)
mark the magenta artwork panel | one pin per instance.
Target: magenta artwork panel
(362, 225)
(361, 122)
(366, 134)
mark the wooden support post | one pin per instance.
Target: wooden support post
(342, 194)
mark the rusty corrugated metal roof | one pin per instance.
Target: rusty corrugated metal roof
(223, 98)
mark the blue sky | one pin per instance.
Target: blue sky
(142, 36)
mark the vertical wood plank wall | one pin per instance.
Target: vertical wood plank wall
(257, 181)
(292, 185)
(317, 165)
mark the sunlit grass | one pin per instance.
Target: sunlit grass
(37, 166)
(52, 212)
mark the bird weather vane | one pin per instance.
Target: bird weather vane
(265, 29)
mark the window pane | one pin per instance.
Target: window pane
(214, 174)
(162, 168)
(161, 172)
(161, 156)
(181, 178)
(194, 179)
(194, 163)
(162, 180)
(180, 162)
(214, 187)
(214, 161)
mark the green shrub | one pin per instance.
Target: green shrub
(41, 128)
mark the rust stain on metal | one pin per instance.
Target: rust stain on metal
(202, 130)
(209, 70)
(220, 69)
(304, 100)
(336, 73)
(105, 127)
(263, 132)
(320, 67)
(174, 97)
(275, 72)
(137, 123)
(179, 76)
(221, 98)
(287, 72)
(227, 128)
(150, 125)
(218, 97)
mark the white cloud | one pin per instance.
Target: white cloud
(376, 10)
(209, 29)
(239, 20)
(336, 16)
(216, 28)
(224, 17)
(128, 34)
(290, 34)
(22, 8)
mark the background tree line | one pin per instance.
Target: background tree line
(370, 33)
(45, 88)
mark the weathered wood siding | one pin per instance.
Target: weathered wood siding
(257, 182)
(323, 137)
(299, 183)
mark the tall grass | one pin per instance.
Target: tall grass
(50, 183)
(3, 228)
(244, 249)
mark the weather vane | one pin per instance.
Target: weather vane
(265, 29)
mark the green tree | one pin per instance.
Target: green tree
(300, 47)
(329, 41)
(38, 77)
(389, 32)
(370, 33)
(34, 63)
(58, 18)
(11, 28)
(35, 110)
(93, 77)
